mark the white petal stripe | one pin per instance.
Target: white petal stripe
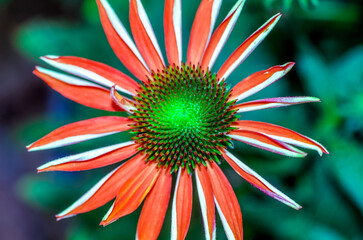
(69, 140)
(121, 31)
(203, 206)
(146, 23)
(227, 228)
(263, 145)
(251, 47)
(85, 155)
(278, 194)
(174, 229)
(276, 76)
(238, 8)
(67, 79)
(85, 197)
(81, 72)
(178, 27)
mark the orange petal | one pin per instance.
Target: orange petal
(173, 31)
(121, 42)
(226, 202)
(155, 206)
(92, 159)
(256, 180)
(80, 91)
(221, 35)
(245, 49)
(106, 189)
(258, 81)
(132, 193)
(202, 29)
(94, 71)
(182, 205)
(82, 131)
(265, 142)
(144, 36)
(272, 103)
(281, 134)
(206, 199)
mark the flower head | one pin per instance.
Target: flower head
(182, 115)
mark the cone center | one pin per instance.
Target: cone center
(183, 117)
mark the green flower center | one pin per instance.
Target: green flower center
(183, 117)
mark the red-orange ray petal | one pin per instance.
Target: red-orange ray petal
(173, 31)
(221, 35)
(121, 42)
(132, 192)
(265, 142)
(94, 71)
(201, 30)
(258, 81)
(92, 159)
(106, 189)
(256, 180)
(144, 36)
(155, 206)
(226, 202)
(182, 205)
(82, 131)
(206, 199)
(245, 49)
(80, 91)
(272, 103)
(281, 134)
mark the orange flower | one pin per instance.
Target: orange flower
(183, 117)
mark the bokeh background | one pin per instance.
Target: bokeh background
(324, 38)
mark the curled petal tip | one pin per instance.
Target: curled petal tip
(61, 217)
(121, 101)
(315, 99)
(288, 66)
(49, 57)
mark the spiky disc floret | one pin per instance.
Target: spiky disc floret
(183, 115)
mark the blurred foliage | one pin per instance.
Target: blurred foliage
(324, 37)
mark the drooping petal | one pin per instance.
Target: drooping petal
(182, 205)
(173, 31)
(221, 35)
(272, 103)
(258, 81)
(121, 42)
(281, 134)
(121, 101)
(206, 199)
(247, 47)
(154, 209)
(106, 189)
(132, 193)
(144, 36)
(226, 202)
(265, 142)
(94, 71)
(92, 159)
(202, 29)
(256, 180)
(82, 131)
(78, 90)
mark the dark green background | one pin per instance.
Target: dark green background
(323, 37)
